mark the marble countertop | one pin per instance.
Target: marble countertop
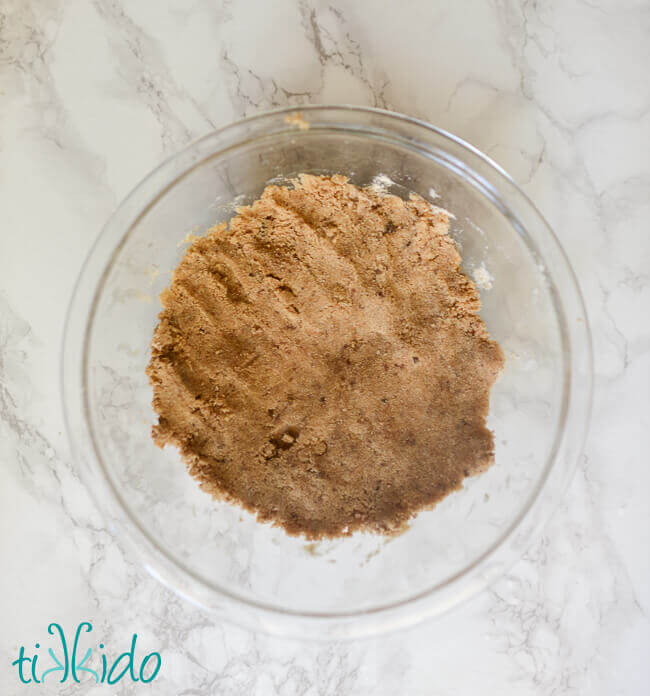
(93, 94)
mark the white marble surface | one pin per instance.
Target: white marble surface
(94, 94)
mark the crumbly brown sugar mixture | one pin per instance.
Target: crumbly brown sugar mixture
(321, 360)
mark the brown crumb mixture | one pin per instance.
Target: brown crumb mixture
(321, 361)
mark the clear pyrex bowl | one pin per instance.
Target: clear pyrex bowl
(214, 553)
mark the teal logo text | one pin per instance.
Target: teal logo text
(70, 660)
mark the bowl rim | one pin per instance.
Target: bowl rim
(484, 569)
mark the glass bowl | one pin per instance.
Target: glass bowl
(214, 553)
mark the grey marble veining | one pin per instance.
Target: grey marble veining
(95, 94)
